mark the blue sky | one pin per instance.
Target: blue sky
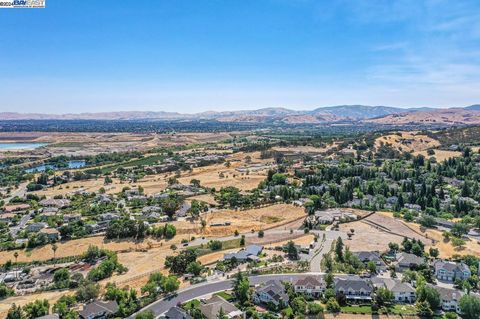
(197, 55)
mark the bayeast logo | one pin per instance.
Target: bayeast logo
(22, 3)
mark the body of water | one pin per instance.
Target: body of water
(20, 146)
(44, 167)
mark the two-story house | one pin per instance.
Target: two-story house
(403, 292)
(353, 288)
(310, 285)
(451, 271)
(449, 297)
(271, 292)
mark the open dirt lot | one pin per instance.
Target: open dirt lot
(395, 225)
(214, 257)
(303, 240)
(376, 231)
(243, 221)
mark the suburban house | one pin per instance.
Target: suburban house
(216, 304)
(15, 208)
(99, 310)
(53, 202)
(51, 233)
(182, 211)
(129, 193)
(329, 216)
(406, 261)
(444, 223)
(177, 313)
(151, 209)
(374, 256)
(451, 271)
(96, 228)
(68, 218)
(7, 217)
(403, 292)
(49, 209)
(35, 227)
(449, 298)
(310, 285)
(107, 217)
(353, 288)
(271, 292)
(251, 252)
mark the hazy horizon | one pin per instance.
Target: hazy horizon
(226, 110)
(195, 56)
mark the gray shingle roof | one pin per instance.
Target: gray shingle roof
(97, 308)
(355, 283)
(213, 305)
(275, 289)
(177, 313)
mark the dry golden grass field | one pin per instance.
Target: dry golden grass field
(408, 142)
(243, 221)
(440, 155)
(209, 176)
(447, 250)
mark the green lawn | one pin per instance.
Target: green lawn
(195, 303)
(357, 309)
(403, 309)
(395, 309)
(224, 295)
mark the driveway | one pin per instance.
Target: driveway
(323, 247)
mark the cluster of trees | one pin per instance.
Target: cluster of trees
(413, 246)
(167, 231)
(421, 182)
(126, 228)
(37, 239)
(106, 268)
(178, 264)
(343, 260)
(5, 291)
(32, 310)
(158, 283)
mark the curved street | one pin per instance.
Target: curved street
(161, 306)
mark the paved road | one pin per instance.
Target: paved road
(322, 248)
(194, 292)
(20, 192)
(199, 240)
(23, 221)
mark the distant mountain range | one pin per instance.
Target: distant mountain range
(373, 114)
